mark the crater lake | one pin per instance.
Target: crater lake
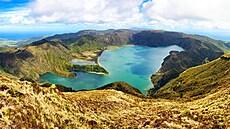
(131, 64)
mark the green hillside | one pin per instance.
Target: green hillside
(218, 43)
(90, 40)
(36, 59)
(196, 82)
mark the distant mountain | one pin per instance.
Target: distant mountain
(28, 41)
(18, 43)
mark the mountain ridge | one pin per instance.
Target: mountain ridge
(70, 45)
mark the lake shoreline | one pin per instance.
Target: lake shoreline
(96, 54)
(133, 65)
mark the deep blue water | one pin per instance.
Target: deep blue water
(132, 64)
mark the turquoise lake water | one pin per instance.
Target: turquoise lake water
(131, 64)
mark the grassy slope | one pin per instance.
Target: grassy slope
(26, 104)
(218, 43)
(197, 81)
(37, 59)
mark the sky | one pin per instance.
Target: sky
(208, 17)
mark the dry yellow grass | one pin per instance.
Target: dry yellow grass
(26, 104)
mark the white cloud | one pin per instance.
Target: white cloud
(156, 14)
(207, 14)
(16, 16)
(89, 11)
(16, 19)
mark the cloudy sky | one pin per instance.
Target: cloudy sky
(194, 16)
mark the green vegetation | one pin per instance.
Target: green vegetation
(36, 59)
(206, 40)
(177, 62)
(90, 68)
(88, 43)
(1, 49)
(196, 82)
(5, 69)
(160, 79)
(90, 40)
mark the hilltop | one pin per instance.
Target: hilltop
(108, 108)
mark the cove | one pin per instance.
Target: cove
(131, 64)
